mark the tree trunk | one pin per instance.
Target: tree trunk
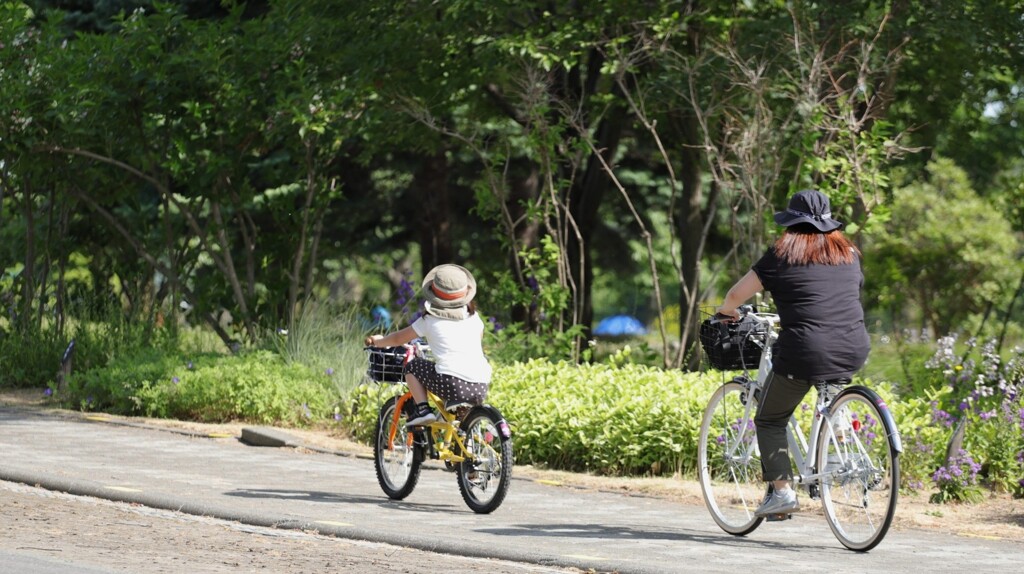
(585, 198)
(523, 190)
(29, 273)
(433, 217)
(691, 238)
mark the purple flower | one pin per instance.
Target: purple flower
(329, 371)
(942, 417)
(190, 366)
(175, 380)
(48, 392)
(405, 293)
(961, 472)
(495, 324)
(337, 416)
(964, 406)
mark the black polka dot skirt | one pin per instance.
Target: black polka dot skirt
(452, 390)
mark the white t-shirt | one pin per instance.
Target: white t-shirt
(457, 346)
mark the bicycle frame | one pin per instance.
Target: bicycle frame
(803, 456)
(444, 433)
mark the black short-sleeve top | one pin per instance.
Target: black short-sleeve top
(823, 334)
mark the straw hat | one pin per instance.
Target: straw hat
(448, 289)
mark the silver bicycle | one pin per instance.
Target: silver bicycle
(850, 460)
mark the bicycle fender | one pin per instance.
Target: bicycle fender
(887, 419)
(503, 427)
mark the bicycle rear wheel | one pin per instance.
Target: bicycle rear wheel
(729, 462)
(484, 477)
(395, 456)
(858, 449)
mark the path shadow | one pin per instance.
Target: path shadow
(600, 532)
(336, 498)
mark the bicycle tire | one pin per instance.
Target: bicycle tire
(860, 447)
(484, 478)
(397, 464)
(729, 462)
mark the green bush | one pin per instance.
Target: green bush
(610, 420)
(364, 402)
(29, 359)
(258, 387)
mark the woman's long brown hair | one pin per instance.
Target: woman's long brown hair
(801, 247)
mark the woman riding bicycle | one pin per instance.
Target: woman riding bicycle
(454, 330)
(813, 273)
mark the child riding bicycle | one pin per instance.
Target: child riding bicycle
(460, 372)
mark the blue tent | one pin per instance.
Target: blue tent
(620, 326)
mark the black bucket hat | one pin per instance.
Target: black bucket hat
(808, 206)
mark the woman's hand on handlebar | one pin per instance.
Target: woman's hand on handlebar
(726, 315)
(371, 341)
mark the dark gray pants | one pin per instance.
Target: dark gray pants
(779, 398)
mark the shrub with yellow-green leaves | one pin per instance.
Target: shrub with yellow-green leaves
(630, 419)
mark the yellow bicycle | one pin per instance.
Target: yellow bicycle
(474, 441)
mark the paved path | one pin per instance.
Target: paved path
(339, 495)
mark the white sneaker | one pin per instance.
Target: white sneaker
(421, 420)
(779, 502)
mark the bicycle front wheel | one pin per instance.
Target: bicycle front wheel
(858, 454)
(395, 456)
(485, 475)
(729, 462)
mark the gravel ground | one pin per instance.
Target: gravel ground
(91, 532)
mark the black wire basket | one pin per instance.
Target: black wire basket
(730, 346)
(387, 364)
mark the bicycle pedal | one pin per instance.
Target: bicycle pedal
(778, 517)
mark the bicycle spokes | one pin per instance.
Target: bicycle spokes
(486, 472)
(860, 472)
(729, 462)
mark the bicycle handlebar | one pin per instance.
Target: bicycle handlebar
(747, 310)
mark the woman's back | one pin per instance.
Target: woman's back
(815, 281)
